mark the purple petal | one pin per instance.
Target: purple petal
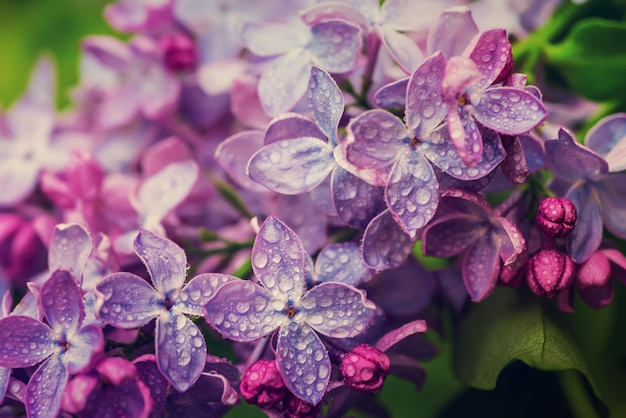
(607, 138)
(292, 166)
(337, 310)
(199, 290)
(572, 161)
(465, 135)
(598, 296)
(244, 311)
(159, 93)
(149, 373)
(356, 201)
(399, 334)
(341, 263)
(24, 341)
(233, 154)
(325, 11)
(41, 85)
(278, 260)
(509, 110)
(45, 389)
(70, 246)
(513, 243)
(284, 82)
(125, 300)
(412, 193)
(326, 100)
(514, 166)
(465, 201)
(586, 236)
(17, 182)
(407, 16)
(612, 194)
(449, 235)
(403, 49)
(385, 245)
(491, 52)
(180, 350)
(425, 109)
(83, 347)
(460, 74)
(392, 95)
(166, 262)
(5, 374)
(108, 51)
(335, 45)
(62, 302)
(533, 152)
(302, 214)
(266, 39)
(452, 32)
(291, 126)
(303, 362)
(481, 267)
(126, 399)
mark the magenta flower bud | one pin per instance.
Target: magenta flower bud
(365, 368)
(179, 52)
(549, 271)
(297, 408)
(556, 216)
(262, 385)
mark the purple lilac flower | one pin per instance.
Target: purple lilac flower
(64, 347)
(245, 311)
(125, 300)
(139, 15)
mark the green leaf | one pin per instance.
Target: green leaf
(592, 58)
(507, 327)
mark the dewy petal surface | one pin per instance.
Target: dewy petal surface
(337, 310)
(62, 302)
(385, 245)
(180, 349)
(278, 260)
(326, 101)
(425, 109)
(292, 166)
(24, 341)
(166, 262)
(292, 125)
(356, 201)
(244, 311)
(335, 45)
(509, 110)
(284, 82)
(341, 262)
(303, 362)
(70, 246)
(452, 31)
(449, 235)
(127, 301)
(199, 290)
(402, 48)
(82, 347)
(465, 135)
(491, 51)
(45, 389)
(481, 267)
(608, 139)
(233, 155)
(571, 160)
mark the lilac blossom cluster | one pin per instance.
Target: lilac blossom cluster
(263, 172)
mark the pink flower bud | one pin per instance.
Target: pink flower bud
(549, 271)
(262, 385)
(297, 408)
(556, 216)
(179, 52)
(365, 368)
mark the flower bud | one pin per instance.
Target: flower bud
(556, 216)
(262, 385)
(549, 271)
(297, 408)
(179, 52)
(365, 368)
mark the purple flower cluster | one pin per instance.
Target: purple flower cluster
(265, 172)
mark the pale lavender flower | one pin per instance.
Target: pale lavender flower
(245, 311)
(139, 15)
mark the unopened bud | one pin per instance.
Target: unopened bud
(556, 216)
(262, 385)
(297, 408)
(549, 271)
(179, 52)
(365, 368)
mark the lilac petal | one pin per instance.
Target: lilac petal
(534, 153)
(322, 195)
(62, 302)
(244, 311)
(514, 166)
(607, 138)
(406, 16)
(337, 310)
(451, 33)
(451, 234)
(149, 373)
(180, 350)
(292, 166)
(408, 368)
(598, 296)
(278, 260)
(465, 135)
(126, 399)
(5, 374)
(45, 389)
(412, 193)
(460, 74)
(70, 246)
(303, 362)
(335, 45)
(233, 154)
(24, 341)
(291, 126)
(17, 182)
(118, 108)
(356, 201)
(403, 49)
(108, 51)
(125, 300)
(513, 243)
(571, 160)
(385, 245)
(284, 82)
(302, 214)
(392, 337)
(199, 290)
(491, 52)
(83, 347)
(392, 95)
(612, 193)
(326, 100)
(267, 39)
(159, 94)
(467, 202)
(509, 110)
(166, 262)
(41, 85)
(481, 267)
(425, 109)
(333, 10)
(162, 192)
(586, 236)
(341, 263)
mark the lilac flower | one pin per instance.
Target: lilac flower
(582, 176)
(125, 300)
(245, 311)
(139, 15)
(487, 240)
(65, 346)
